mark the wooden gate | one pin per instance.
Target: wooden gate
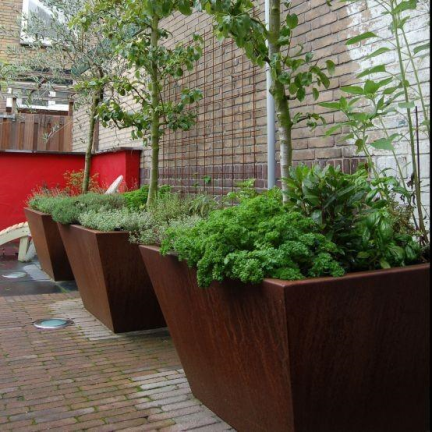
(42, 132)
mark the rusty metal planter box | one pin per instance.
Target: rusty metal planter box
(112, 279)
(320, 355)
(49, 245)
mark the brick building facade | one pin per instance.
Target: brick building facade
(229, 142)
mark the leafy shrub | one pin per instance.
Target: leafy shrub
(136, 200)
(366, 219)
(67, 210)
(259, 238)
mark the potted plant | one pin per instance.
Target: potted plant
(282, 340)
(111, 278)
(46, 237)
(48, 243)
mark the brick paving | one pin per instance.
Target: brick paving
(85, 378)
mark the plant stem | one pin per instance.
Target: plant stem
(278, 91)
(91, 140)
(417, 78)
(155, 98)
(416, 178)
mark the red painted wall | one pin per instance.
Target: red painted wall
(111, 165)
(21, 173)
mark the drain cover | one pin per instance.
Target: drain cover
(15, 275)
(52, 323)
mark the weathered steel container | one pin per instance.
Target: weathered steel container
(112, 279)
(49, 245)
(319, 355)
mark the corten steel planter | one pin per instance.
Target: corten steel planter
(320, 355)
(112, 279)
(49, 245)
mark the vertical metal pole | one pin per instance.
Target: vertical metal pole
(271, 117)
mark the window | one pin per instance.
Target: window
(42, 100)
(36, 10)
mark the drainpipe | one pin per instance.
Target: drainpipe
(271, 118)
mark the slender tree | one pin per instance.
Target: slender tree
(66, 51)
(134, 28)
(293, 69)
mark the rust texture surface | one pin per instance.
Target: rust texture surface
(322, 355)
(49, 245)
(112, 279)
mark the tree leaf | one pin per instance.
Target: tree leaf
(371, 87)
(407, 105)
(353, 90)
(331, 105)
(372, 70)
(361, 37)
(331, 67)
(421, 48)
(292, 21)
(385, 143)
(378, 52)
(333, 129)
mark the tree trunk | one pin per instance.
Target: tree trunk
(91, 141)
(155, 133)
(278, 91)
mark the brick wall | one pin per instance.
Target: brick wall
(231, 132)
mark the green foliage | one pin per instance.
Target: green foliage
(67, 210)
(259, 238)
(137, 199)
(366, 219)
(388, 94)
(167, 211)
(119, 219)
(245, 190)
(293, 69)
(135, 32)
(44, 200)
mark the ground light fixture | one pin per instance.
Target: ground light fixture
(52, 323)
(15, 275)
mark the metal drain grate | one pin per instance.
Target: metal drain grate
(52, 323)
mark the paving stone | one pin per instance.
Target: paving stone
(85, 378)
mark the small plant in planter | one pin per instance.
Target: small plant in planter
(297, 324)
(46, 237)
(111, 277)
(110, 274)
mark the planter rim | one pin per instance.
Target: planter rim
(36, 211)
(348, 276)
(97, 232)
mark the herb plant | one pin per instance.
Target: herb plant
(369, 220)
(67, 210)
(259, 238)
(389, 95)
(137, 199)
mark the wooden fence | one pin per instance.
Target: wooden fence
(42, 132)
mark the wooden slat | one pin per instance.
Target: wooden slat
(29, 132)
(41, 142)
(67, 146)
